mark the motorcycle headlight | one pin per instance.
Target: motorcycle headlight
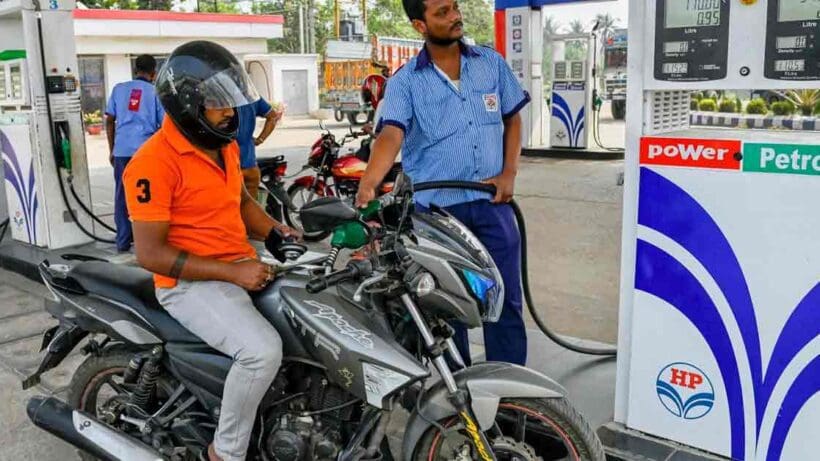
(487, 291)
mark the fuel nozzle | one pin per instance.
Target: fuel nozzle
(597, 102)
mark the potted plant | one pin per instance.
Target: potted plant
(93, 122)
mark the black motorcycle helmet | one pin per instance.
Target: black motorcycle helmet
(203, 75)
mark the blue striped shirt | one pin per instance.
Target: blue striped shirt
(453, 133)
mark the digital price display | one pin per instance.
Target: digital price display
(790, 65)
(675, 67)
(797, 42)
(691, 40)
(691, 13)
(798, 10)
(675, 47)
(793, 40)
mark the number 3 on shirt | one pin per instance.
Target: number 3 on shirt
(145, 184)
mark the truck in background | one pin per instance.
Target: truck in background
(614, 73)
(348, 63)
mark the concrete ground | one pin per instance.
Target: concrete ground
(573, 212)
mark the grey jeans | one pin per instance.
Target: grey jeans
(223, 315)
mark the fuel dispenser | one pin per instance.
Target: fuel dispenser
(41, 131)
(719, 340)
(571, 96)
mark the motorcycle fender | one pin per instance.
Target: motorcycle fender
(58, 341)
(486, 383)
(307, 181)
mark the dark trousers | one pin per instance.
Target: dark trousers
(124, 236)
(495, 227)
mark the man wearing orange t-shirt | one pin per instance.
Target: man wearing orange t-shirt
(191, 217)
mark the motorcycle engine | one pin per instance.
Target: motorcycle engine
(311, 438)
(301, 439)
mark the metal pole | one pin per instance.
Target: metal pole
(364, 17)
(338, 17)
(301, 29)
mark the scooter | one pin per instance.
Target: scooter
(334, 174)
(359, 343)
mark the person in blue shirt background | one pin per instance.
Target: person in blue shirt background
(133, 115)
(453, 111)
(247, 143)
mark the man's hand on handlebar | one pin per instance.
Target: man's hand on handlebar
(289, 233)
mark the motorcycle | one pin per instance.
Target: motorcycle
(272, 183)
(359, 344)
(334, 174)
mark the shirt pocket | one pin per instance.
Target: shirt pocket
(486, 100)
(436, 120)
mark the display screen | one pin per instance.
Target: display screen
(798, 10)
(790, 65)
(675, 47)
(675, 68)
(792, 43)
(693, 13)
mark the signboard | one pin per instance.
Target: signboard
(693, 153)
(22, 197)
(724, 351)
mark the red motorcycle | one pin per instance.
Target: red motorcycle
(334, 174)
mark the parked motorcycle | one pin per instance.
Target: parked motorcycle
(334, 174)
(359, 343)
(276, 199)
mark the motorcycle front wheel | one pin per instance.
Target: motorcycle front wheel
(525, 429)
(300, 196)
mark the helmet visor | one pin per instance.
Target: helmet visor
(229, 88)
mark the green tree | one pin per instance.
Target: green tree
(551, 28)
(606, 24)
(217, 6)
(387, 19)
(289, 43)
(576, 26)
(111, 4)
(479, 22)
(158, 5)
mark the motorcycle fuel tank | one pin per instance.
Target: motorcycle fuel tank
(348, 167)
(358, 353)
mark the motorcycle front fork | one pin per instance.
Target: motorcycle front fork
(458, 397)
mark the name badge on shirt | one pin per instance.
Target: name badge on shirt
(491, 102)
(134, 100)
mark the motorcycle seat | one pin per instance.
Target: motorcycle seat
(133, 287)
(271, 161)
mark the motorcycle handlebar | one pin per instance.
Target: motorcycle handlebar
(353, 270)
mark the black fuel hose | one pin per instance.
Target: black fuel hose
(525, 278)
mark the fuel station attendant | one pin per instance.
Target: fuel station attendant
(453, 111)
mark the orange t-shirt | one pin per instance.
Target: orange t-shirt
(170, 180)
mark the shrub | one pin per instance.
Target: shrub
(783, 108)
(803, 100)
(693, 104)
(727, 106)
(707, 105)
(817, 108)
(739, 105)
(697, 95)
(757, 106)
